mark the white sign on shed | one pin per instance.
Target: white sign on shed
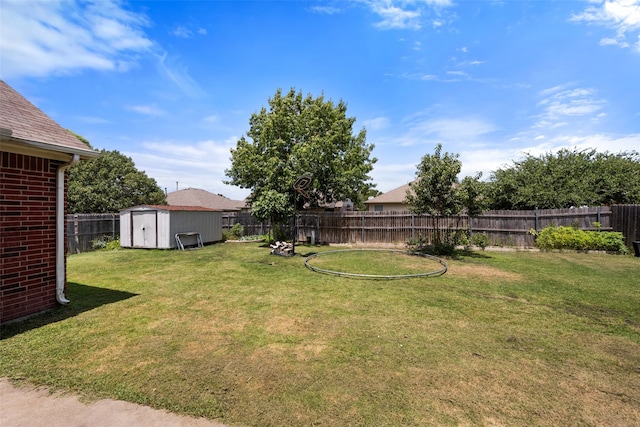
(155, 227)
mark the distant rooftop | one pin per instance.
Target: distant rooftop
(198, 197)
(397, 195)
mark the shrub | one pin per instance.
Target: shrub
(105, 242)
(113, 245)
(561, 238)
(234, 233)
(481, 240)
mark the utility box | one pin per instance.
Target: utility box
(156, 227)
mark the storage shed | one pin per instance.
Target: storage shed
(152, 226)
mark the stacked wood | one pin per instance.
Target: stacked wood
(282, 248)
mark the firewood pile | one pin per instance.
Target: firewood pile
(282, 249)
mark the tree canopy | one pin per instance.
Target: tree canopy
(435, 190)
(301, 135)
(567, 178)
(109, 183)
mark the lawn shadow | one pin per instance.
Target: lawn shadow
(468, 253)
(83, 298)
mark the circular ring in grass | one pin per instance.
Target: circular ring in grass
(376, 264)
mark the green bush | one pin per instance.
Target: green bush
(561, 238)
(113, 245)
(234, 233)
(105, 242)
(440, 244)
(481, 240)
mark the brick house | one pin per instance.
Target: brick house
(35, 151)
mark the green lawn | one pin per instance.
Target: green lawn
(233, 333)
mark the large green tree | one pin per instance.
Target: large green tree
(570, 177)
(109, 183)
(301, 136)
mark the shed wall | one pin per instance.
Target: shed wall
(165, 238)
(125, 229)
(208, 224)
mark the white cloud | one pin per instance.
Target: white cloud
(213, 118)
(404, 14)
(147, 110)
(179, 74)
(395, 17)
(186, 33)
(622, 16)
(561, 102)
(465, 130)
(389, 176)
(191, 164)
(183, 32)
(39, 38)
(377, 123)
(325, 10)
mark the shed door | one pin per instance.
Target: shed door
(144, 233)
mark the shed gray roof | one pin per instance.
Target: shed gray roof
(198, 197)
(21, 121)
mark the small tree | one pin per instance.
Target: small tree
(473, 193)
(435, 190)
(275, 208)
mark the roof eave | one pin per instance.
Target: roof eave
(43, 149)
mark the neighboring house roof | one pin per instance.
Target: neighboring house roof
(171, 208)
(25, 125)
(198, 197)
(397, 195)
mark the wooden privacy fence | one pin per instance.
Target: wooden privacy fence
(626, 219)
(83, 229)
(252, 226)
(503, 228)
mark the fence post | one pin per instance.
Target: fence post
(413, 227)
(598, 216)
(362, 227)
(536, 224)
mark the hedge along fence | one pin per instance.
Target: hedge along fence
(503, 228)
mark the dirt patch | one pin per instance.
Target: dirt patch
(481, 272)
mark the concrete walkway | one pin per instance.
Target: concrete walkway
(30, 406)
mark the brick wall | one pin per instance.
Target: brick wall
(27, 235)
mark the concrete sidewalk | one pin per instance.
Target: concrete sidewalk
(31, 406)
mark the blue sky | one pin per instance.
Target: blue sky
(173, 84)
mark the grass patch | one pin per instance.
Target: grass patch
(382, 262)
(233, 333)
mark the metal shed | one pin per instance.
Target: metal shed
(151, 226)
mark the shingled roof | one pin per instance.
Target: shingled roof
(397, 195)
(198, 197)
(23, 123)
